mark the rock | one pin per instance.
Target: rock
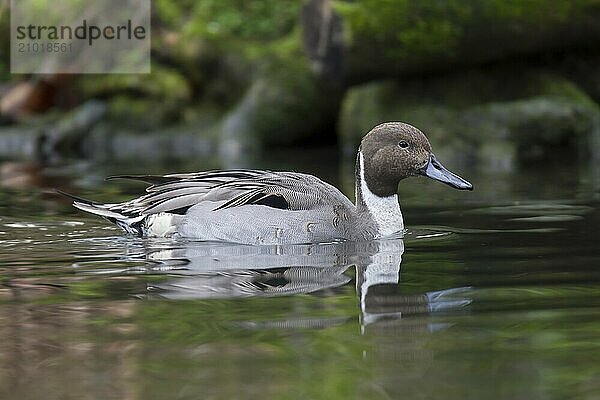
(20, 142)
(281, 111)
(536, 125)
(180, 142)
(583, 69)
(138, 101)
(67, 134)
(481, 115)
(392, 38)
(51, 135)
(156, 146)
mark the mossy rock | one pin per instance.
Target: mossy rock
(165, 83)
(392, 38)
(537, 126)
(583, 68)
(285, 108)
(462, 118)
(141, 101)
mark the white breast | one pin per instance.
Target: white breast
(385, 211)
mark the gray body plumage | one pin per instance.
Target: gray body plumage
(241, 206)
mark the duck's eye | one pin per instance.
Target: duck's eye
(403, 144)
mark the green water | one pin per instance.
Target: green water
(492, 294)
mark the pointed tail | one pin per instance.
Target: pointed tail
(127, 223)
(93, 207)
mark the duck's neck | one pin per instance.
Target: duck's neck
(385, 211)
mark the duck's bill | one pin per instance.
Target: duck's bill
(435, 170)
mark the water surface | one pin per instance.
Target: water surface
(493, 294)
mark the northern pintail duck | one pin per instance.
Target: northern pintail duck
(268, 207)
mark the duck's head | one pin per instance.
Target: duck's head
(393, 151)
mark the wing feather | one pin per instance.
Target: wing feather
(235, 188)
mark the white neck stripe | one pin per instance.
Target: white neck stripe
(385, 211)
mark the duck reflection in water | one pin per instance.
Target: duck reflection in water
(224, 271)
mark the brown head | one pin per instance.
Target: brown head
(393, 151)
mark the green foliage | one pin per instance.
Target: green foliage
(212, 48)
(230, 20)
(412, 27)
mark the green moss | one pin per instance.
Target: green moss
(388, 38)
(229, 22)
(164, 83)
(410, 28)
(551, 85)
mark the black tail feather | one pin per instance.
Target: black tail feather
(151, 179)
(76, 198)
